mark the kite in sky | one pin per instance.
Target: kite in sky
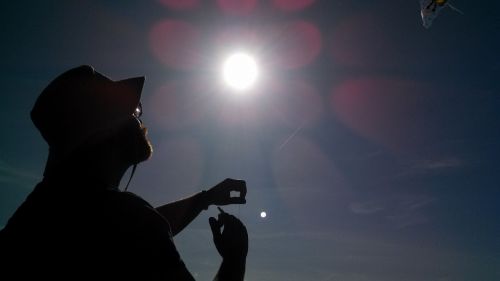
(429, 10)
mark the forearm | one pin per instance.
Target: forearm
(231, 271)
(182, 212)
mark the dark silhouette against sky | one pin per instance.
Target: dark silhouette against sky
(370, 141)
(77, 221)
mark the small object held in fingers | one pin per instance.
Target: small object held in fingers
(235, 194)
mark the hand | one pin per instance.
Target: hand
(221, 193)
(232, 242)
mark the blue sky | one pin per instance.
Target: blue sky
(370, 141)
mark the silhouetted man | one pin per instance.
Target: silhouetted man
(77, 224)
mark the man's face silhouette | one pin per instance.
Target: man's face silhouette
(137, 146)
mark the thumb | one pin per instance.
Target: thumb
(215, 226)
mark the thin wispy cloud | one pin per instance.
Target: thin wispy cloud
(441, 164)
(410, 211)
(431, 166)
(364, 208)
(408, 219)
(12, 175)
(422, 203)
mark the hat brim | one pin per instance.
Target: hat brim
(133, 90)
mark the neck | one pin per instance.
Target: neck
(105, 172)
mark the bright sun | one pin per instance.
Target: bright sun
(240, 71)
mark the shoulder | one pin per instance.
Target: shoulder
(126, 203)
(124, 197)
(133, 209)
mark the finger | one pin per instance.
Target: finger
(233, 225)
(225, 217)
(214, 223)
(221, 216)
(241, 186)
(238, 186)
(236, 200)
(215, 226)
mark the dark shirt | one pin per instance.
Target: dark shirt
(81, 232)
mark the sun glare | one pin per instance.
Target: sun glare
(240, 71)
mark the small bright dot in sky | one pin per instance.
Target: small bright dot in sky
(240, 71)
(263, 214)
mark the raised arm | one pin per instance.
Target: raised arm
(182, 212)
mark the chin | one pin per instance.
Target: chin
(149, 151)
(144, 152)
(136, 146)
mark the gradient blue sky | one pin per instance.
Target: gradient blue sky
(371, 142)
